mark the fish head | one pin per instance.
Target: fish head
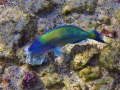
(37, 47)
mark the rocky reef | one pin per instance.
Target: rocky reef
(88, 65)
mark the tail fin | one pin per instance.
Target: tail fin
(97, 36)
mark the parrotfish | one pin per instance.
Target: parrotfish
(60, 36)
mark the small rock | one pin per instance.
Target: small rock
(117, 15)
(52, 80)
(110, 57)
(89, 73)
(15, 25)
(28, 81)
(105, 82)
(34, 59)
(79, 6)
(15, 78)
(104, 19)
(84, 55)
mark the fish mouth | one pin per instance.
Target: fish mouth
(29, 49)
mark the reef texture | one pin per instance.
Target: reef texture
(88, 65)
(110, 57)
(32, 59)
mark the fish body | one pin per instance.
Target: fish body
(60, 36)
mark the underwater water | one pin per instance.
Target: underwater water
(87, 65)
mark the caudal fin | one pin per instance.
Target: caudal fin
(97, 36)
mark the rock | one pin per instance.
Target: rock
(79, 6)
(106, 82)
(53, 80)
(47, 68)
(22, 21)
(16, 78)
(74, 82)
(14, 30)
(104, 19)
(33, 59)
(41, 28)
(110, 57)
(28, 81)
(75, 86)
(117, 15)
(83, 56)
(31, 6)
(1, 69)
(89, 73)
(100, 2)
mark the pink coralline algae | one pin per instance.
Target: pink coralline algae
(112, 34)
(28, 80)
(117, 1)
(6, 80)
(3, 2)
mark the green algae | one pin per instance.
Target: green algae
(68, 19)
(117, 15)
(83, 56)
(82, 6)
(14, 25)
(104, 19)
(103, 83)
(35, 6)
(7, 58)
(49, 68)
(92, 24)
(89, 73)
(52, 80)
(109, 57)
(75, 86)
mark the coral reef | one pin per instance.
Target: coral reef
(117, 15)
(79, 6)
(28, 81)
(33, 59)
(89, 73)
(110, 57)
(82, 58)
(102, 83)
(88, 65)
(104, 19)
(35, 6)
(52, 80)
(3, 2)
(14, 31)
(19, 78)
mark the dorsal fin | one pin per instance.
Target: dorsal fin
(46, 31)
(69, 26)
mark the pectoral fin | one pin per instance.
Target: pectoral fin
(58, 51)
